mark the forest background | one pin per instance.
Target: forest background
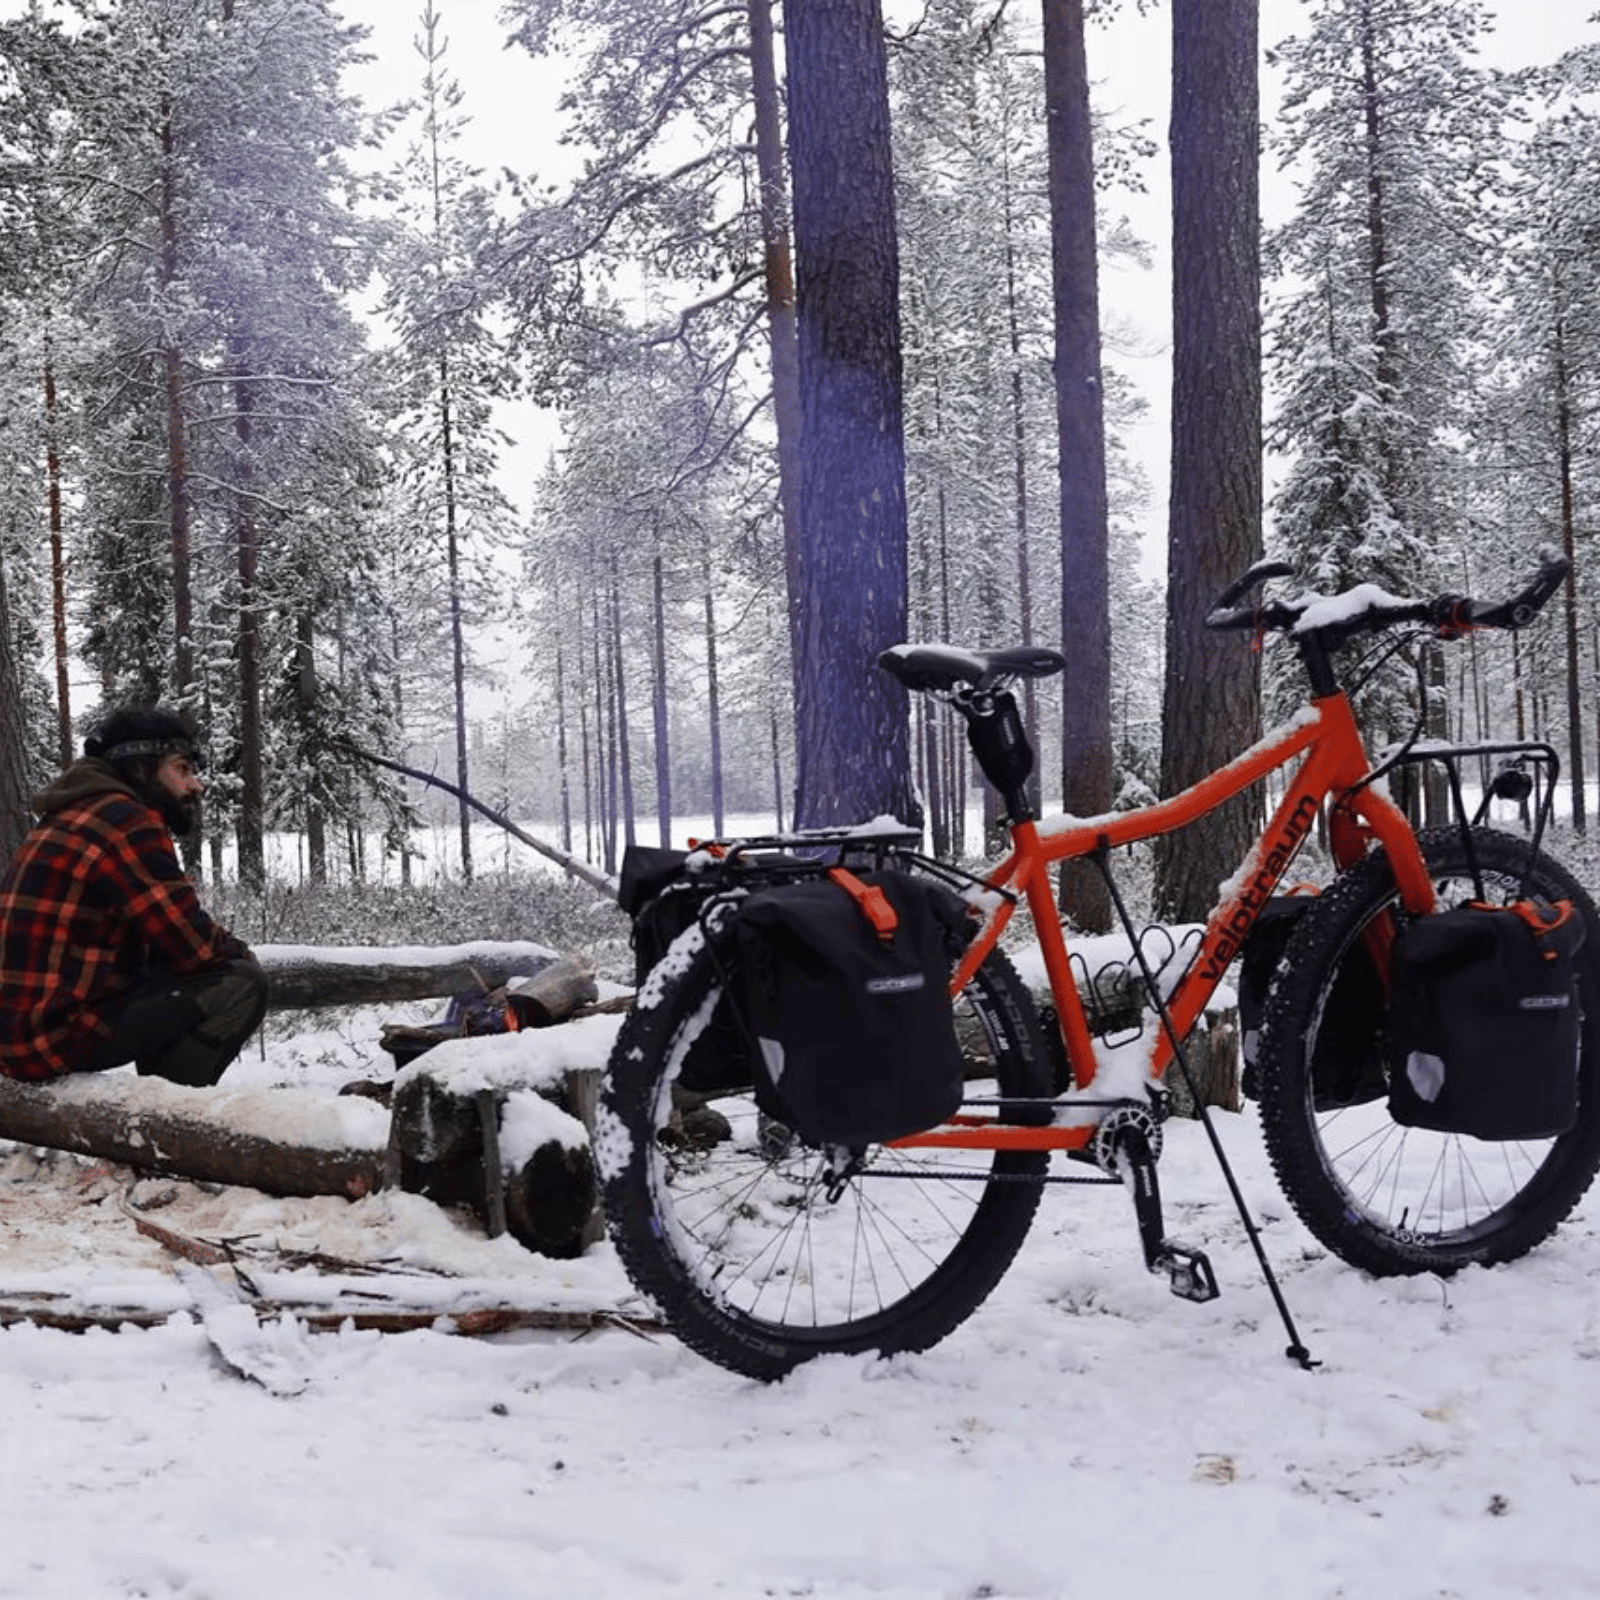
(266, 329)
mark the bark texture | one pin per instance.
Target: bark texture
(1211, 706)
(1080, 414)
(853, 743)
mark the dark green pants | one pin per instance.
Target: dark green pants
(186, 1029)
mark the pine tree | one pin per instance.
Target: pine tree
(1550, 355)
(1080, 413)
(1396, 131)
(1385, 113)
(221, 413)
(274, 258)
(450, 369)
(13, 737)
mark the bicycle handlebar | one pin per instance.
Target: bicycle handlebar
(1370, 609)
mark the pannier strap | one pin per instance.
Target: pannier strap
(870, 901)
(1543, 916)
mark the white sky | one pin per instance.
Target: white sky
(512, 102)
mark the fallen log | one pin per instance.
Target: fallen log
(570, 864)
(283, 1141)
(303, 979)
(554, 993)
(474, 1322)
(558, 991)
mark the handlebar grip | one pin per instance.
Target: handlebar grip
(1241, 586)
(1247, 619)
(1455, 614)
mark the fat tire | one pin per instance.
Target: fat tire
(726, 1310)
(1502, 1199)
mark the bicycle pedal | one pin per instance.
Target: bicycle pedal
(1188, 1271)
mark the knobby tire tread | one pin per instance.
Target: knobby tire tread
(763, 1347)
(1301, 1141)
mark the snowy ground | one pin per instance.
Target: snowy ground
(1084, 1434)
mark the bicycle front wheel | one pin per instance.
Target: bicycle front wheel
(1383, 1196)
(762, 1252)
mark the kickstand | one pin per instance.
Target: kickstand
(1149, 1202)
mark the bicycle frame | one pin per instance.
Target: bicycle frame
(1334, 765)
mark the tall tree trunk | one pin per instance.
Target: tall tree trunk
(605, 738)
(1384, 336)
(458, 637)
(713, 692)
(658, 705)
(306, 692)
(589, 799)
(564, 776)
(851, 729)
(1019, 472)
(781, 332)
(777, 765)
(619, 717)
(400, 722)
(1212, 705)
(177, 437)
(927, 720)
(13, 738)
(952, 742)
(1564, 457)
(1080, 424)
(251, 828)
(58, 558)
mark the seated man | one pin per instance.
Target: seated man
(106, 956)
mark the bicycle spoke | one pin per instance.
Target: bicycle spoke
(767, 1239)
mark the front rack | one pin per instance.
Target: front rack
(1525, 776)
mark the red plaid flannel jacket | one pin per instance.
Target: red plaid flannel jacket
(92, 899)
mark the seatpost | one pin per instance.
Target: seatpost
(1000, 743)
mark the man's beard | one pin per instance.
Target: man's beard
(180, 816)
(180, 813)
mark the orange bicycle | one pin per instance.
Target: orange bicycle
(763, 1251)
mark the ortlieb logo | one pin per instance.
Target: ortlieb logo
(904, 984)
(1545, 1002)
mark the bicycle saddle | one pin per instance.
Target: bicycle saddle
(943, 666)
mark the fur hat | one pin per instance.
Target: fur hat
(135, 733)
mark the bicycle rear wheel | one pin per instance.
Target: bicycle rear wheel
(1385, 1197)
(762, 1252)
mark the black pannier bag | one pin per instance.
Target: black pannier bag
(661, 897)
(845, 989)
(1347, 1065)
(1485, 1024)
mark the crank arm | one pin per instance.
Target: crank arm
(1188, 1271)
